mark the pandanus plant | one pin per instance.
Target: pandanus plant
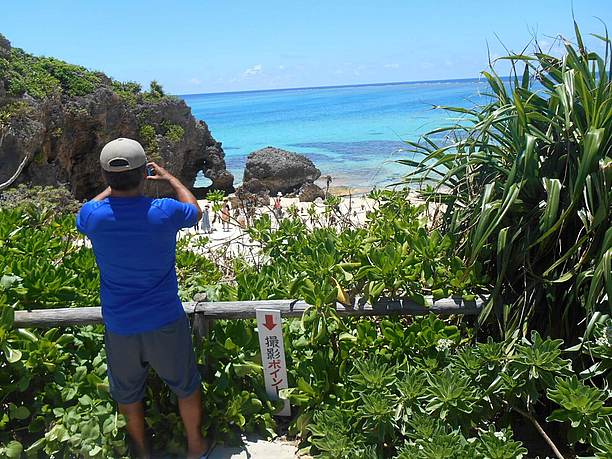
(526, 182)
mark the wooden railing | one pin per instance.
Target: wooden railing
(211, 310)
(206, 312)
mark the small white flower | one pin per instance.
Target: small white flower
(602, 341)
(444, 344)
(500, 435)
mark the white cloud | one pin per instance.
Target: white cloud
(544, 44)
(552, 45)
(392, 66)
(195, 81)
(358, 69)
(255, 70)
(281, 67)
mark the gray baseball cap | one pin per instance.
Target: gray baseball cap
(122, 155)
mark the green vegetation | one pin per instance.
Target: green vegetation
(173, 132)
(132, 93)
(528, 188)
(39, 199)
(148, 137)
(215, 197)
(394, 256)
(129, 91)
(13, 110)
(155, 90)
(440, 399)
(57, 133)
(438, 392)
(42, 77)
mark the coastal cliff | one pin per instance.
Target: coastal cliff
(56, 117)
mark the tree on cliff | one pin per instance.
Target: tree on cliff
(155, 89)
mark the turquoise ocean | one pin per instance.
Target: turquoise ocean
(353, 133)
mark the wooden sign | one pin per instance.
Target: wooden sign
(272, 348)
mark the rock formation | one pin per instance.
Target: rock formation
(309, 192)
(254, 192)
(59, 135)
(272, 170)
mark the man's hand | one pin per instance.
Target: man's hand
(182, 193)
(160, 172)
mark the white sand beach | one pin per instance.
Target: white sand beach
(234, 241)
(351, 210)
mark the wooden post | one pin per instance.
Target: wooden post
(201, 325)
(201, 329)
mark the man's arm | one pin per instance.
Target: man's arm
(182, 193)
(105, 194)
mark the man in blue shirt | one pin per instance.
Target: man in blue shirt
(134, 241)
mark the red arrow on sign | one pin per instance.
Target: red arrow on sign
(269, 324)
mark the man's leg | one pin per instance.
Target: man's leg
(134, 412)
(170, 352)
(190, 408)
(127, 374)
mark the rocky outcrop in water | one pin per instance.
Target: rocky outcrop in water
(58, 127)
(275, 170)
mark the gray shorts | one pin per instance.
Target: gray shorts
(168, 350)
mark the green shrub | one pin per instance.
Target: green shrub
(216, 199)
(526, 184)
(41, 77)
(173, 132)
(129, 91)
(155, 92)
(4, 68)
(57, 132)
(42, 199)
(581, 406)
(155, 89)
(14, 109)
(148, 137)
(393, 256)
(421, 401)
(392, 387)
(147, 134)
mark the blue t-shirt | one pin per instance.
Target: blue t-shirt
(134, 240)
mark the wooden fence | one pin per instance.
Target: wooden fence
(205, 311)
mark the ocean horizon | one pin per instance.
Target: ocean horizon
(296, 88)
(354, 133)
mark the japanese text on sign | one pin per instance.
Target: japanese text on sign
(272, 354)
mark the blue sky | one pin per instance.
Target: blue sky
(211, 46)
